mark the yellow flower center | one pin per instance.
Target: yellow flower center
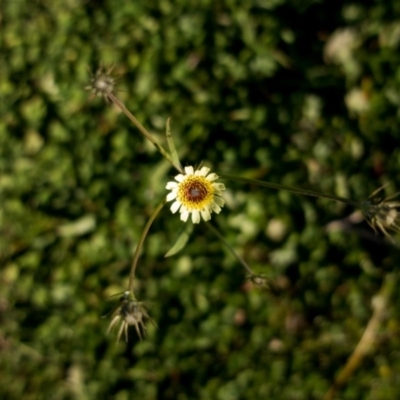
(195, 192)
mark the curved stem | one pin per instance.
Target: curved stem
(216, 232)
(140, 244)
(143, 130)
(290, 189)
(369, 338)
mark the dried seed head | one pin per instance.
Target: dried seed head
(102, 84)
(129, 312)
(382, 214)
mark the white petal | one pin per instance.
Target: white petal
(202, 172)
(189, 170)
(212, 177)
(184, 215)
(171, 185)
(195, 216)
(172, 196)
(218, 186)
(219, 200)
(216, 208)
(180, 177)
(205, 214)
(175, 206)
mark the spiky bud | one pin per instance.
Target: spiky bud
(382, 214)
(129, 312)
(102, 84)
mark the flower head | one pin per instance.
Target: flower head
(196, 193)
(129, 312)
(102, 84)
(382, 213)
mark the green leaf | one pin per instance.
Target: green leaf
(181, 241)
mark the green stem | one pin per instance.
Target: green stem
(370, 337)
(140, 244)
(143, 130)
(290, 189)
(216, 232)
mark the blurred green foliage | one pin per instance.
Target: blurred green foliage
(303, 93)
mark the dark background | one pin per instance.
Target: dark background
(302, 93)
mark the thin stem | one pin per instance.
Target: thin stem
(216, 232)
(369, 338)
(143, 130)
(140, 244)
(290, 189)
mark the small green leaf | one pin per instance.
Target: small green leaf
(172, 149)
(181, 241)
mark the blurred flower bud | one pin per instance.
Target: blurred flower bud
(381, 213)
(129, 312)
(102, 84)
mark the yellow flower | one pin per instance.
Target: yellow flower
(196, 193)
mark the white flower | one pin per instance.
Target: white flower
(196, 193)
